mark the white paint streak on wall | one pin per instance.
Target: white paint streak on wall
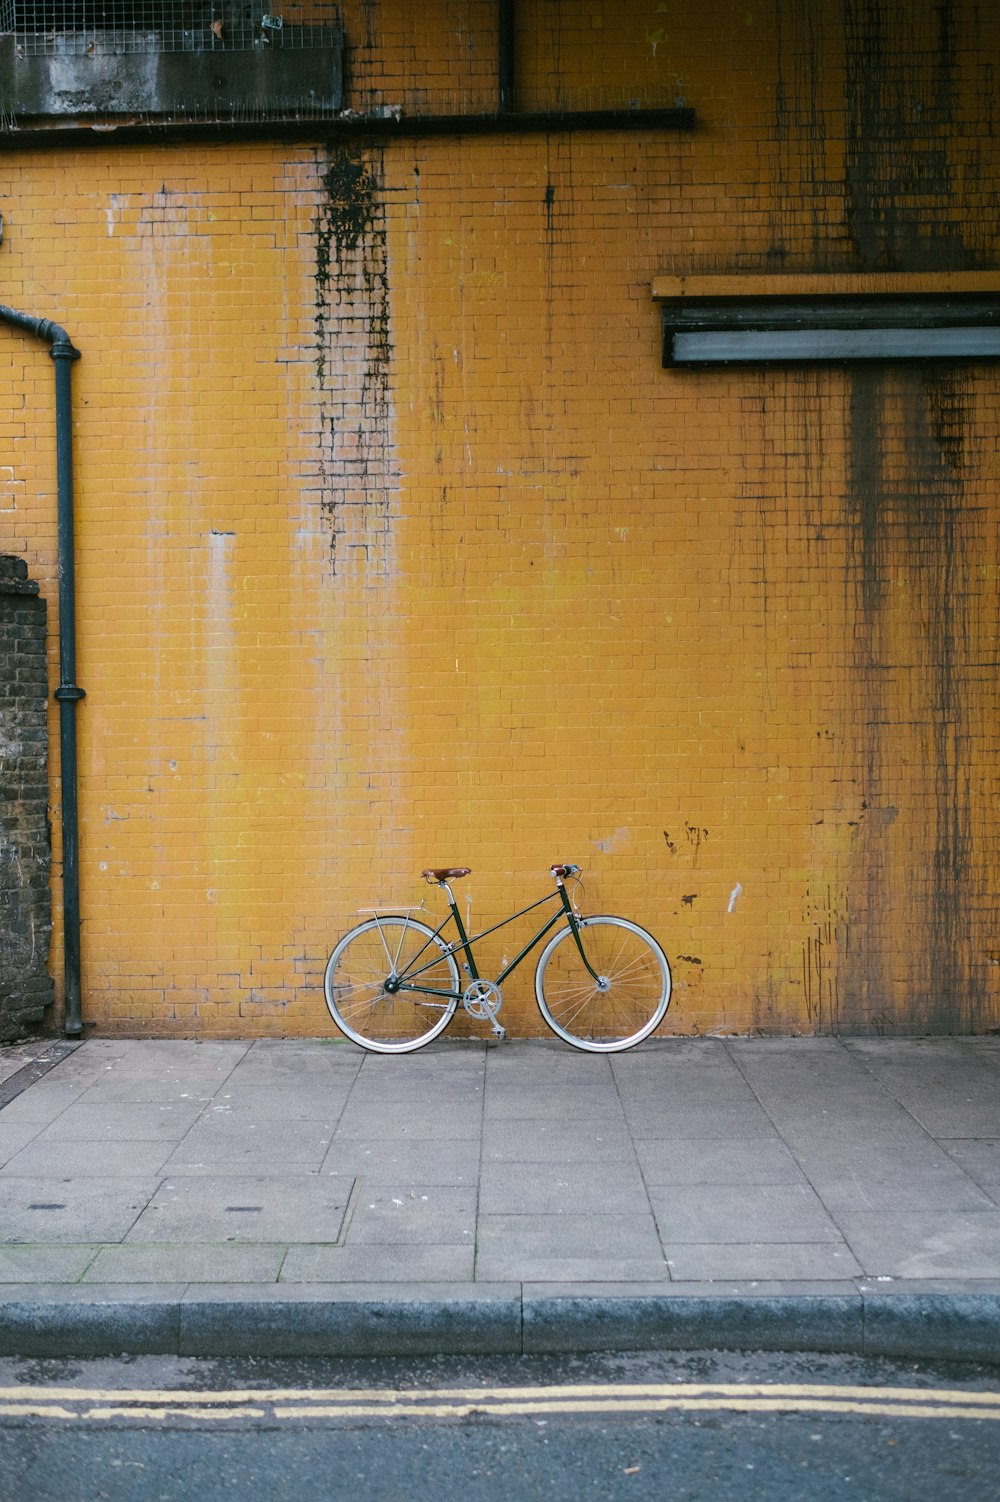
(115, 205)
(734, 897)
(614, 842)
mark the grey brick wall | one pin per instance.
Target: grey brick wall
(26, 988)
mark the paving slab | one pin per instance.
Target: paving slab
(194, 1262)
(302, 1197)
(708, 1263)
(240, 1142)
(43, 1102)
(295, 1064)
(559, 1247)
(948, 1092)
(302, 1208)
(44, 1262)
(553, 1100)
(123, 1122)
(926, 1243)
(978, 1158)
(48, 1158)
(566, 1189)
(371, 1263)
(420, 1160)
(152, 1087)
(573, 1141)
(253, 1102)
(887, 1193)
(407, 1214)
(15, 1137)
(427, 1118)
(463, 1095)
(692, 1160)
(706, 1121)
(787, 1213)
(84, 1209)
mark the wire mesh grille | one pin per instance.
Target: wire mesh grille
(86, 27)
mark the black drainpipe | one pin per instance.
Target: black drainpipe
(505, 55)
(62, 350)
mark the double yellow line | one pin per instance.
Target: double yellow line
(281, 1405)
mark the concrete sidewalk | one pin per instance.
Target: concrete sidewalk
(301, 1198)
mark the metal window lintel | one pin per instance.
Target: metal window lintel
(758, 329)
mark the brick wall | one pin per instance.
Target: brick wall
(397, 546)
(25, 855)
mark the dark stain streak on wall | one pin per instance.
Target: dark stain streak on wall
(906, 164)
(908, 441)
(891, 139)
(354, 347)
(914, 531)
(802, 224)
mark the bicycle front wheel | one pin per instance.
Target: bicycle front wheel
(627, 1000)
(387, 985)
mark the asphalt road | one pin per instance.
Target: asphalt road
(684, 1426)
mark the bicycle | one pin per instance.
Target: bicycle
(392, 983)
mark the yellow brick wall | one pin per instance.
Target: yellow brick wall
(396, 545)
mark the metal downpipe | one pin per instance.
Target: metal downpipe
(68, 694)
(506, 79)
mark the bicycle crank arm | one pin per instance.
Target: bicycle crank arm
(482, 999)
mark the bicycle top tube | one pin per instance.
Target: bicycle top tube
(484, 933)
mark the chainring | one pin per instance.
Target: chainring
(482, 999)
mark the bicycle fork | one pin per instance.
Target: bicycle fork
(574, 924)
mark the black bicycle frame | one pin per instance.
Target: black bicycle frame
(465, 943)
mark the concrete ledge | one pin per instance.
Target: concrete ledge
(376, 1320)
(953, 1327)
(369, 1320)
(32, 1327)
(677, 1322)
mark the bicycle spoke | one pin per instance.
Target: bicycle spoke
(623, 1005)
(366, 997)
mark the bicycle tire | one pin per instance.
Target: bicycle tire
(359, 970)
(629, 1003)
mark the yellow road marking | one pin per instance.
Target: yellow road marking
(424, 1394)
(36, 1410)
(168, 1410)
(649, 1405)
(283, 1404)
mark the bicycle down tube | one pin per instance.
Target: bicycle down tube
(465, 942)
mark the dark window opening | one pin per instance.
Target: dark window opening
(778, 330)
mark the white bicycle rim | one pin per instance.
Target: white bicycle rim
(355, 976)
(636, 989)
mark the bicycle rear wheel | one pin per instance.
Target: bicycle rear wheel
(377, 982)
(623, 1005)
